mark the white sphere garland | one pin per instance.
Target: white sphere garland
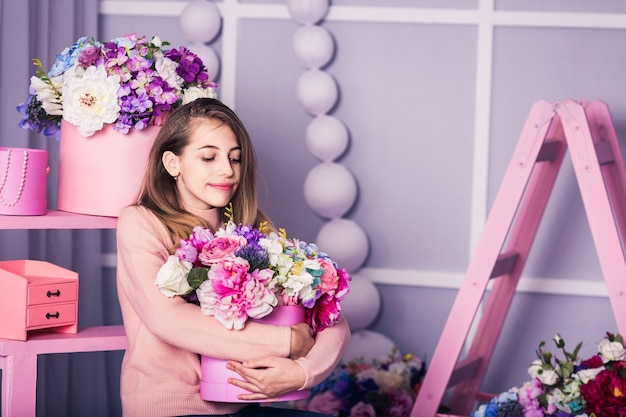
(330, 189)
(200, 22)
(327, 137)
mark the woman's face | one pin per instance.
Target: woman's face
(210, 166)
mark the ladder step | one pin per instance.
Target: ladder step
(604, 152)
(464, 370)
(548, 151)
(505, 264)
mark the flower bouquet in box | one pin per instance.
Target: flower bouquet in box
(130, 82)
(386, 387)
(106, 101)
(568, 386)
(239, 273)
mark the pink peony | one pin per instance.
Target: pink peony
(232, 295)
(325, 403)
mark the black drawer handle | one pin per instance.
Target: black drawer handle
(55, 315)
(57, 293)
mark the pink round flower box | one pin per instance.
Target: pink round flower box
(214, 385)
(23, 174)
(101, 174)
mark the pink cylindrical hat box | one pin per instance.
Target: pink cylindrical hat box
(214, 385)
(101, 174)
(23, 175)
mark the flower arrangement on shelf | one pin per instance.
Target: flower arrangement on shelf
(130, 81)
(594, 387)
(386, 387)
(240, 272)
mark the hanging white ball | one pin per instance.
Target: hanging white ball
(200, 21)
(209, 58)
(314, 46)
(330, 189)
(317, 91)
(368, 345)
(344, 241)
(308, 11)
(326, 137)
(362, 304)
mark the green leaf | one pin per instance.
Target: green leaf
(197, 276)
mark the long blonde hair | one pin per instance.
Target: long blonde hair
(159, 192)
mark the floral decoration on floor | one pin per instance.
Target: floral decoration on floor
(130, 81)
(386, 387)
(240, 272)
(568, 386)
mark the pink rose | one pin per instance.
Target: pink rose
(220, 248)
(325, 403)
(362, 410)
(329, 277)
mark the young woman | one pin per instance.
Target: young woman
(201, 161)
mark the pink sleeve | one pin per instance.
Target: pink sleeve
(330, 345)
(142, 249)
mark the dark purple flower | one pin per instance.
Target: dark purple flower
(90, 55)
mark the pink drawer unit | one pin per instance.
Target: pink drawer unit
(36, 295)
(60, 292)
(50, 315)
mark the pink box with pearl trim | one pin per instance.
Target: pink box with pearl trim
(23, 175)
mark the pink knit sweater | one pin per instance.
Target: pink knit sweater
(161, 370)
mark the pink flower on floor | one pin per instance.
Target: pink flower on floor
(325, 403)
(402, 404)
(362, 410)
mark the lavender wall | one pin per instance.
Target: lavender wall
(435, 94)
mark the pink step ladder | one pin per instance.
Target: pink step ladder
(501, 253)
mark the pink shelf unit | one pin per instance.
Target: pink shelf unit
(18, 358)
(37, 295)
(56, 219)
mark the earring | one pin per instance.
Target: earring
(175, 177)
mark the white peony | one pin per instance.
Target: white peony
(611, 351)
(172, 277)
(90, 99)
(194, 93)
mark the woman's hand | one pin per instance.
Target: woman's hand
(267, 378)
(301, 340)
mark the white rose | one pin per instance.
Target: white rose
(172, 277)
(388, 381)
(586, 375)
(546, 376)
(156, 41)
(194, 93)
(90, 99)
(611, 351)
